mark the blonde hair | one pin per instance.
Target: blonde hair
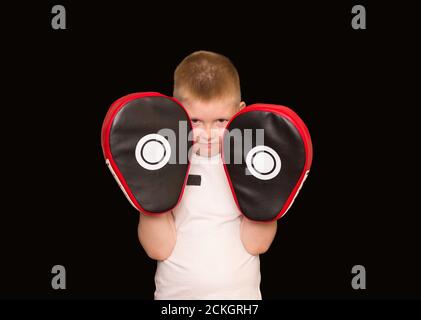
(206, 75)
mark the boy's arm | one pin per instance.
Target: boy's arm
(257, 236)
(157, 235)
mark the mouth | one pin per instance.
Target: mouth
(208, 143)
(209, 146)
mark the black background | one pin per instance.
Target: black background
(352, 88)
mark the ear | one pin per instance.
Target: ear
(242, 105)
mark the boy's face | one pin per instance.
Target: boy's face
(209, 119)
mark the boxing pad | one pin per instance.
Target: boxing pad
(145, 141)
(267, 154)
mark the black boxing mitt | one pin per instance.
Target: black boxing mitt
(267, 154)
(145, 144)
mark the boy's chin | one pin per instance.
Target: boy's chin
(205, 151)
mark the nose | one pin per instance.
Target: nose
(209, 134)
(206, 134)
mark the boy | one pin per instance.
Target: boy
(205, 248)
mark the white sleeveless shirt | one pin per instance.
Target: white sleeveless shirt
(209, 260)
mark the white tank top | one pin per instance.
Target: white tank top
(209, 260)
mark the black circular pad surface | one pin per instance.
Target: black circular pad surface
(157, 190)
(259, 199)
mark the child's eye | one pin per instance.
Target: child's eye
(222, 120)
(195, 122)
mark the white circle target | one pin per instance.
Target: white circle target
(153, 151)
(263, 162)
